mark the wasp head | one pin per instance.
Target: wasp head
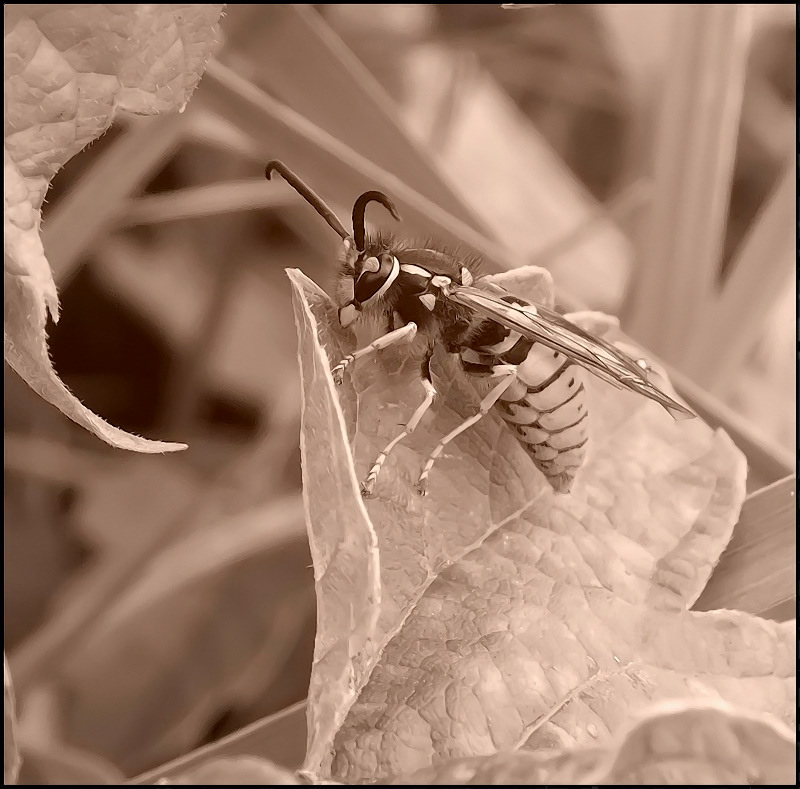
(370, 269)
(365, 283)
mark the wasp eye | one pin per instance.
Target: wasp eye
(371, 264)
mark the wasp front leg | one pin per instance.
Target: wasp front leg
(404, 334)
(508, 374)
(430, 395)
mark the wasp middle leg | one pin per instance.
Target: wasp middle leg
(430, 394)
(403, 334)
(508, 374)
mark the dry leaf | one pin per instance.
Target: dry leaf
(68, 70)
(676, 744)
(511, 616)
(11, 760)
(208, 626)
(236, 771)
(36, 512)
(57, 765)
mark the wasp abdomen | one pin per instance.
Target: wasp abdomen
(545, 407)
(555, 393)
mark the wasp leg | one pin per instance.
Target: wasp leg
(508, 372)
(430, 394)
(404, 334)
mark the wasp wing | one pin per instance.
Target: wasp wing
(553, 330)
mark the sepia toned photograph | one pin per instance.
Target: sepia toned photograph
(400, 394)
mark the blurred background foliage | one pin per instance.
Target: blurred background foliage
(153, 604)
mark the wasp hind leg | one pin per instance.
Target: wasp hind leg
(368, 484)
(403, 334)
(508, 374)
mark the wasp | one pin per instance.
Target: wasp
(531, 358)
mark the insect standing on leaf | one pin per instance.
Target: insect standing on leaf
(533, 357)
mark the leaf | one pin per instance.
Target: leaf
(686, 744)
(512, 616)
(11, 760)
(68, 70)
(236, 771)
(208, 626)
(343, 542)
(530, 282)
(596, 322)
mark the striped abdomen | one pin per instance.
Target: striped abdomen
(545, 406)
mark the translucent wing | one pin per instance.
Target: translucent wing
(553, 330)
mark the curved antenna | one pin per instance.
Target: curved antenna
(359, 209)
(308, 194)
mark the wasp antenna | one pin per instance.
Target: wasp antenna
(359, 209)
(308, 194)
